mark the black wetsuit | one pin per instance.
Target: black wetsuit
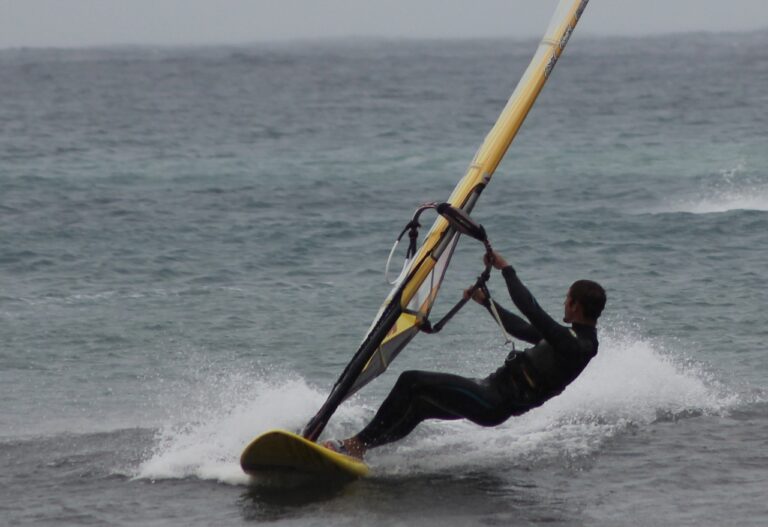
(526, 380)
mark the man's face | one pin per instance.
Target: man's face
(569, 308)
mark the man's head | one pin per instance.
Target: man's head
(584, 303)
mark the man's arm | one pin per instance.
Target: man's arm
(560, 337)
(557, 335)
(514, 325)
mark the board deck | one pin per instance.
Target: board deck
(281, 452)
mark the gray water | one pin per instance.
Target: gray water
(192, 245)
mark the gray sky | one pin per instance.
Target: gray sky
(77, 23)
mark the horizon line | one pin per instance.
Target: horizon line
(371, 38)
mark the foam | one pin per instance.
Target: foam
(733, 190)
(755, 198)
(632, 382)
(209, 445)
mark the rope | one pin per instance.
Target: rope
(463, 224)
(427, 327)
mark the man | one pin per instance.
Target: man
(526, 380)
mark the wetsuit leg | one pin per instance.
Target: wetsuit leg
(420, 395)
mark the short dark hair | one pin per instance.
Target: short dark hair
(590, 295)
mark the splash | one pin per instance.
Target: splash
(633, 382)
(236, 409)
(733, 190)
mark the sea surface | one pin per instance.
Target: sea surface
(192, 246)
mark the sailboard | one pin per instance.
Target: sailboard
(279, 452)
(407, 306)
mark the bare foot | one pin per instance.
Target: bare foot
(355, 447)
(352, 447)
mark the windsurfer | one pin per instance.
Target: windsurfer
(525, 381)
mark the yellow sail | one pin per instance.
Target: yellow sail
(411, 299)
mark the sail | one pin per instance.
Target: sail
(411, 299)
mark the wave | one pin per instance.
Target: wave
(733, 190)
(747, 199)
(633, 382)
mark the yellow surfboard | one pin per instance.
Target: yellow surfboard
(279, 452)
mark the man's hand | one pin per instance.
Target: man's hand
(496, 260)
(478, 296)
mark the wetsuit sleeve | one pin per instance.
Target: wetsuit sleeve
(557, 335)
(514, 325)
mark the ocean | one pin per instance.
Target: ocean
(192, 246)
